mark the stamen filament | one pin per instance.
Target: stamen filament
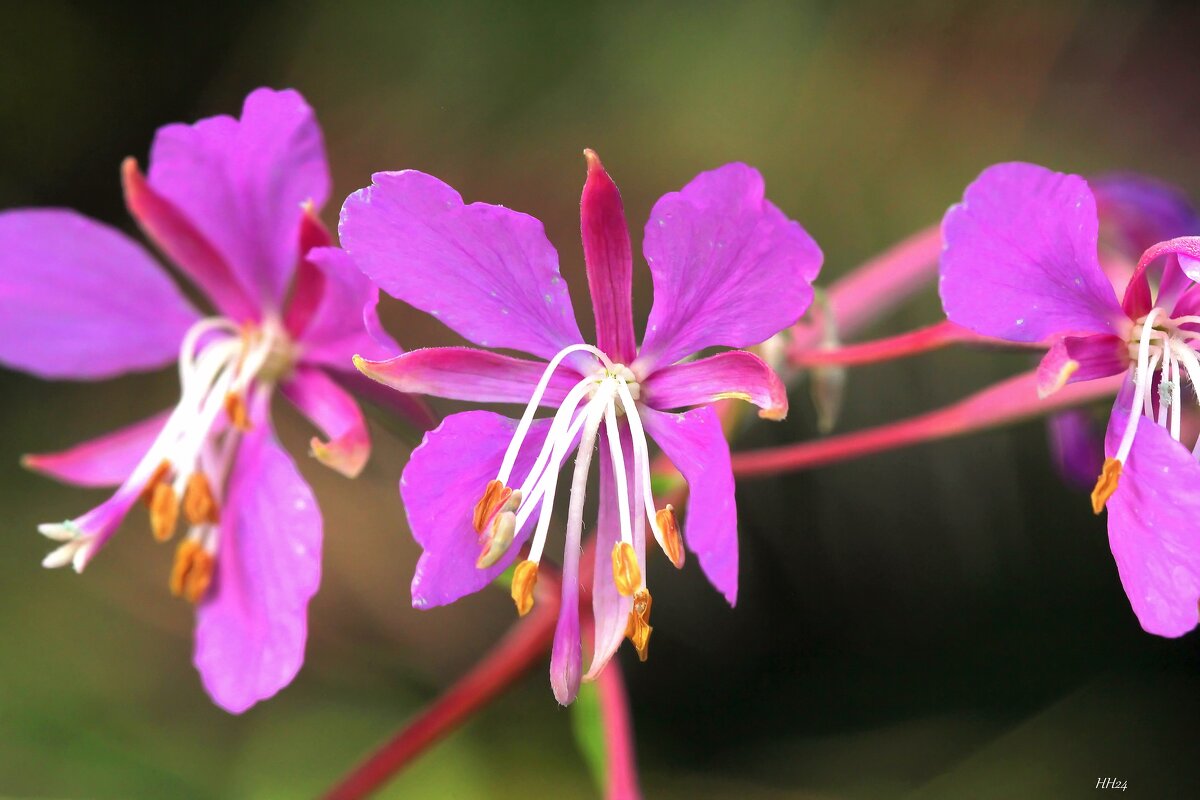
(618, 465)
(1141, 386)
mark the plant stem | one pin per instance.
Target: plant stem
(618, 735)
(911, 343)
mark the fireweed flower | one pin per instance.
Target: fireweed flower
(231, 202)
(1020, 263)
(729, 269)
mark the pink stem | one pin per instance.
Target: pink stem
(618, 735)
(1009, 401)
(922, 340)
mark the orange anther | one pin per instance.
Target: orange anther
(638, 629)
(495, 496)
(156, 477)
(235, 409)
(1106, 484)
(199, 505)
(192, 572)
(626, 573)
(524, 579)
(164, 511)
(672, 542)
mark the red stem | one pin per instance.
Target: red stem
(1011, 400)
(618, 735)
(923, 340)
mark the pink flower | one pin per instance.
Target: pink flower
(729, 270)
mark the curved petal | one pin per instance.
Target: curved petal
(104, 461)
(252, 626)
(1154, 528)
(343, 321)
(609, 259)
(610, 608)
(79, 299)
(444, 478)
(485, 271)
(1076, 447)
(1081, 358)
(411, 409)
(1020, 260)
(735, 375)
(1140, 210)
(334, 411)
(464, 373)
(728, 267)
(697, 447)
(242, 183)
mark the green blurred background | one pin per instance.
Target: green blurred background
(940, 622)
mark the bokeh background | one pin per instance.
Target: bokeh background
(939, 622)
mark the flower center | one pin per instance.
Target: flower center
(224, 369)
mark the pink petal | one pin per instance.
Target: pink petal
(1076, 447)
(104, 461)
(729, 268)
(737, 374)
(697, 447)
(464, 373)
(1154, 527)
(1020, 258)
(609, 260)
(243, 182)
(81, 300)
(1081, 358)
(308, 289)
(334, 411)
(485, 271)
(251, 628)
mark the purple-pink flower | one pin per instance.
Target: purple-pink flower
(231, 202)
(1021, 264)
(729, 270)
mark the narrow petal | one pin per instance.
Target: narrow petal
(1081, 358)
(334, 411)
(1140, 211)
(342, 321)
(412, 409)
(243, 182)
(185, 246)
(485, 271)
(308, 289)
(104, 461)
(696, 445)
(464, 373)
(1076, 447)
(609, 260)
(1020, 260)
(444, 478)
(79, 299)
(1154, 528)
(734, 375)
(610, 608)
(728, 267)
(251, 629)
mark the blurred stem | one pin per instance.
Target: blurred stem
(622, 780)
(524, 644)
(911, 343)
(1006, 402)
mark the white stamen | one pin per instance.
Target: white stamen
(641, 457)
(618, 465)
(1141, 385)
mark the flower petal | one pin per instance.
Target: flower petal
(79, 299)
(610, 609)
(104, 461)
(464, 373)
(728, 267)
(1153, 527)
(242, 184)
(485, 271)
(1081, 358)
(444, 478)
(251, 628)
(334, 411)
(1020, 260)
(609, 260)
(1076, 447)
(697, 447)
(342, 321)
(734, 375)
(1140, 210)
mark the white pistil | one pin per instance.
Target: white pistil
(641, 458)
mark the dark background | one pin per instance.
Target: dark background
(943, 621)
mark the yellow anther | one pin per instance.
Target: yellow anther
(1106, 484)
(192, 572)
(524, 579)
(626, 573)
(495, 497)
(638, 629)
(672, 542)
(156, 477)
(199, 505)
(164, 511)
(235, 409)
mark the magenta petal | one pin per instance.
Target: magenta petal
(1081, 358)
(610, 609)
(251, 628)
(335, 412)
(1154, 528)
(104, 461)
(79, 299)
(242, 183)
(697, 447)
(1139, 210)
(1076, 447)
(609, 260)
(735, 375)
(566, 653)
(1020, 258)
(485, 271)
(464, 373)
(342, 321)
(444, 478)
(729, 268)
